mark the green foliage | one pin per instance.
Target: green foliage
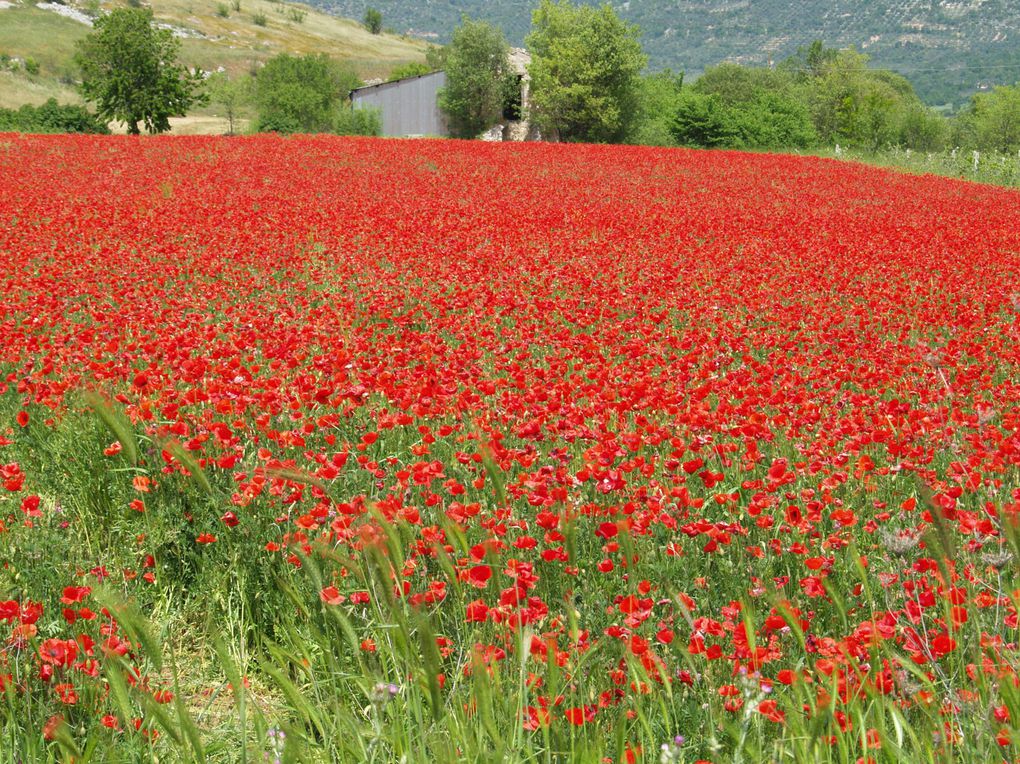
(51, 117)
(301, 94)
(734, 85)
(260, 19)
(413, 69)
(222, 10)
(350, 121)
(232, 95)
(31, 65)
(809, 60)
(435, 57)
(819, 97)
(477, 63)
(922, 129)
(373, 20)
(993, 119)
(776, 121)
(755, 108)
(978, 166)
(585, 66)
(703, 121)
(130, 71)
(511, 96)
(856, 106)
(658, 101)
(945, 49)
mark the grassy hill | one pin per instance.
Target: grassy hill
(46, 34)
(947, 49)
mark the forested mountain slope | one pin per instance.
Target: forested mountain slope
(948, 49)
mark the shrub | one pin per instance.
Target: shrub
(260, 19)
(301, 94)
(51, 117)
(702, 121)
(358, 122)
(373, 20)
(408, 70)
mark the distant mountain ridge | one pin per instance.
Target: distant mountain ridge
(947, 49)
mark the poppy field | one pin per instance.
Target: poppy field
(322, 449)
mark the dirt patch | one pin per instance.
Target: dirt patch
(195, 125)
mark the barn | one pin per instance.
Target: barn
(409, 106)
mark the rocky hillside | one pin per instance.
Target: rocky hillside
(37, 40)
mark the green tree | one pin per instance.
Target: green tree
(923, 129)
(351, 121)
(994, 119)
(130, 71)
(774, 120)
(809, 60)
(233, 95)
(858, 106)
(658, 101)
(703, 121)
(477, 64)
(760, 108)
(585, 72)
(373, 20)
(734, 84)
(435, 57)
(301, 94)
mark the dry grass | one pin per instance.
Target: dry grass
(28, 32)
(236, 41)
(17, 89)
(235, 44)
(195, 124)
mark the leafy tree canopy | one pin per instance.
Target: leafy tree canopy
(585, 72)
(993, 119)
(658, 100)
(855, 105)
(477, 65)
(231, 94)
(130, 71)
(301, 94)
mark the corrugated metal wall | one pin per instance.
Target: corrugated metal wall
(409, 107)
